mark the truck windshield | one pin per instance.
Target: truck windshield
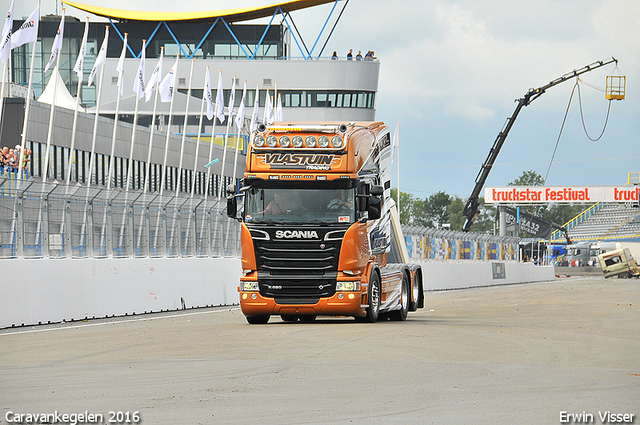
(277, 205)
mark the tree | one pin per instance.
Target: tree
(531, 178)
(406, 206)
(456, 218)
(528, 178)
(436, 208)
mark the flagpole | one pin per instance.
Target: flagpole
(97, 114)
(140, 86)
(239, 122)
(184, 131)
(398, 178)
(80, 72)
(55, 72)
(153, 121)
(254, 112)
(166, 143)
(226, 136)
(25, 125)
(116, 116)
(213, 137)
(195, 162)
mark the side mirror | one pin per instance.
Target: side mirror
(232, 201)
(232, 206)
(377, 191)
(374, 207)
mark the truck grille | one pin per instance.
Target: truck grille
(297, 272)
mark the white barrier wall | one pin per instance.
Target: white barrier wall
(50, 291)
(439, 275)
(43, 291)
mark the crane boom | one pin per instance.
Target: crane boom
(471, 207)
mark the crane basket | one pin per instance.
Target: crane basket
(616, 85)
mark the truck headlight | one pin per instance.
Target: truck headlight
(347, 286)
(336, 141)
(258, 141)
(249, 286)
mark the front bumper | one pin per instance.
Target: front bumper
(345, 303)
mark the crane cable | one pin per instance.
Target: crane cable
(561, 129)
(577, 85)
(582, 117)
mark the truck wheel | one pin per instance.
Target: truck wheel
(401, 315)
(373, 294)
(289, 318)
(258, 320)
(415, 292)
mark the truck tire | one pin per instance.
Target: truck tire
(416, 292)
(401, 315)
(373, 295)
(258, 320)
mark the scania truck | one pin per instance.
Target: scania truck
(319, 230)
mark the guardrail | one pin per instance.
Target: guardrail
(51, 220)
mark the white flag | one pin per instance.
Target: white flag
(79, 66)
(279, 108)
(208, 97)
(269, 116)
(254, 114)
(120, 67)
(57, 43)
(5, 46)
(155, 77)
(102, 55)
(28, 31)
(240, 116)
(168, 83)
(220, 100)
(139, 85)
(394, 142)
(232, 98)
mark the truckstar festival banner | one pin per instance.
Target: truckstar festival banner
(560, 194)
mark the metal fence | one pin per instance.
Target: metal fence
(52, 220)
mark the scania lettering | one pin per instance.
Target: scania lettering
(320, 233)
(304, 234)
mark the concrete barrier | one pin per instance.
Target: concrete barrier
(438, 275)
(578, 271)
(50, 291)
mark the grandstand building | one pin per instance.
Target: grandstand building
(273, 56)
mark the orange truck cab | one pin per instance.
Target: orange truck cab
(320, 233)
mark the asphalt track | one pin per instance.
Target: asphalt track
(499, 355)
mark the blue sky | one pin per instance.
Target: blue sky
(451, 70)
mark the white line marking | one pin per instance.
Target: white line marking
(113, 321)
